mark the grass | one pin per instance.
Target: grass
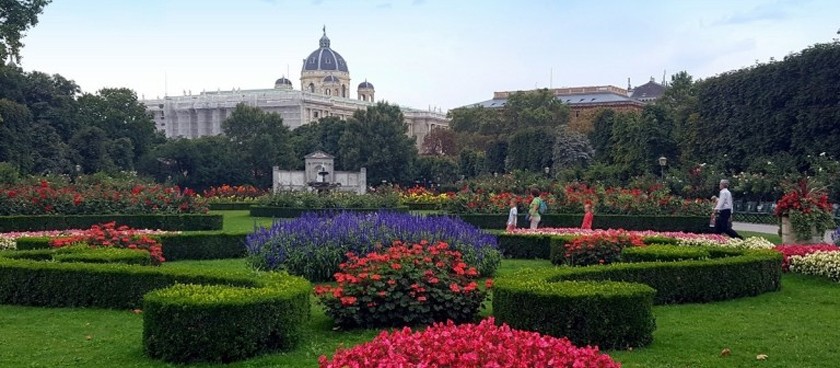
(793, 327)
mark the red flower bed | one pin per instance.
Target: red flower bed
(403, 286)
(234, 192)
(789, 250)
(108, 235)
(599, 248)
(468, 346)
(97, 199)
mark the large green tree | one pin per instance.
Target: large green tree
(197, 163)
(376, 139)
(120, 115)
(531, 149)
(534, 109)
(262, 140)
(322, 135)
(17, 16)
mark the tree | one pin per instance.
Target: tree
(16, 16)
(439, 141)
(262, 140)
(494, 159)
(601, 135)
(322, 135)
(436, 168)
(376, 139)
(90, 146)
(197, 163)
(571, 149)
(530, 149)
(471, 163)
(534, 109)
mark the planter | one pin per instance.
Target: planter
(789, 236)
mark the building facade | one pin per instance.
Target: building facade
(325, 91)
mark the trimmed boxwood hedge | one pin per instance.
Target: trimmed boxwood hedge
(259, 311)
(187, 323)
(690, 224)
(524, 301)
(178, 247)
(286, 212)
(230, 206)
(183, 222)
(527, 246)
(608, 314)
(105, 255)
(663, 253)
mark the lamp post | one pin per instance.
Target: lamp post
(663, 161)
(547, 171)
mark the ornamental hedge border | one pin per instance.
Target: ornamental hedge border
(177, 247)
(533, 300)
(267, 309)
(286, 212)
(538, 246)
(689, 224)
(182, 222)
(230, 206)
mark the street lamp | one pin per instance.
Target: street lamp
(663, 161)
(547, 170)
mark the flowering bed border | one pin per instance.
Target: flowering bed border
(287, 212)
(268, 310)
(183, 222)
(600, 312)
(689, 224)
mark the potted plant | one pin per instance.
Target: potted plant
(804, 212)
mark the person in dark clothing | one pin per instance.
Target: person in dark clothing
(723, 212)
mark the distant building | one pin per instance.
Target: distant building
(648, 92)
(325, 81)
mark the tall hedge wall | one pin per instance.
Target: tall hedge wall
(183, 222)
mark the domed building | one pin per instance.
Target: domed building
(324, 91)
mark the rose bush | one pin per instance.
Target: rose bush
(109, 235)
(467, 346)
(403, 285)
(603, 248)
(233, 193)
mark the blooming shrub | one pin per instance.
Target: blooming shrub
(402, 286)
(820, 263)
(421, 195)
(468, 346)
(47, 198)
(108, 235)
(233, 193)
(682, 236)
(312, 200)
(601, 248)
(314, 245)
(789, 250)
(7, 243)
(808, 209)
(9, 240)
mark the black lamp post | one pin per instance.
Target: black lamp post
(547, 171)
(663, 161)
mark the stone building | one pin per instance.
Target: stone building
(325, 91)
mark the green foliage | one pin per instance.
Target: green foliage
(376, 139)
(571, 149)
(530, 149)
(198, 163)
(534, 109)
(527, 246)
(262, 140)
(210, 245)
(187, 323)
(323, 135)
(161, 222)
(662, 253)
(689, 224)
(439, 141)
(438, 169)
(8, 174)
(312, 200)
(85, 254)
(18, 16)
(32, 243)
(612, 315)
(471, 163)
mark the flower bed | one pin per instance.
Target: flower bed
(789, 250)
(692, 224)
(314, 245)
(820, 263)
(403, 286)
(420, 198)
(10, 239)
(109, 235)
(601, 248)
(334, 200)
(100, 199)
(468, 346)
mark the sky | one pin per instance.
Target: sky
(437, 54)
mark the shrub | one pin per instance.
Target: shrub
(207, 245)
(233, 193)
(604, 248)
(109, 235)
(820, 263)
(104, 255)
(335, 200)
(468, 346)
(401, 286)
(789, 250)
(314, 245)
(662, 253)
(143, 221)
(187, 323)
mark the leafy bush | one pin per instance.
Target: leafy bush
(468, 346)
(789, 250)
(403, 285)
(104, 255)
(109, 235)
(202, 245)
(662, 253)
(312, 200)
(314, 245)
(233, 193)
(63, 222)
(604, 248)
(187, 323)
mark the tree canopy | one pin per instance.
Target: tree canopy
(16, 17)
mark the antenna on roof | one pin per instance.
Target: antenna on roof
(551, 79)
(663, 76)
(628, 85)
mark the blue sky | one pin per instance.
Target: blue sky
(418, 53)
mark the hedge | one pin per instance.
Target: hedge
(423, 206)
(529, 300)
(248, 313)
(689, 224)
(183, 222)
(187, 323)
(105, 255)
(663, 253)
(178, 247)
(229, 206)
(286, 212)
(527, 246)
(607, 314)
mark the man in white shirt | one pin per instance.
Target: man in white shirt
(723, 211)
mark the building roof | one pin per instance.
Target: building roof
(325, 58)
(584, 99)
(365, 84)
(331, 78)
(648, 91)
(283, 80)
(319, 155)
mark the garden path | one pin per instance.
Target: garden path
(768, 229)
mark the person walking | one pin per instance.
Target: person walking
(587, 216)
(723, 212)
(534, 208)
(512, 214)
